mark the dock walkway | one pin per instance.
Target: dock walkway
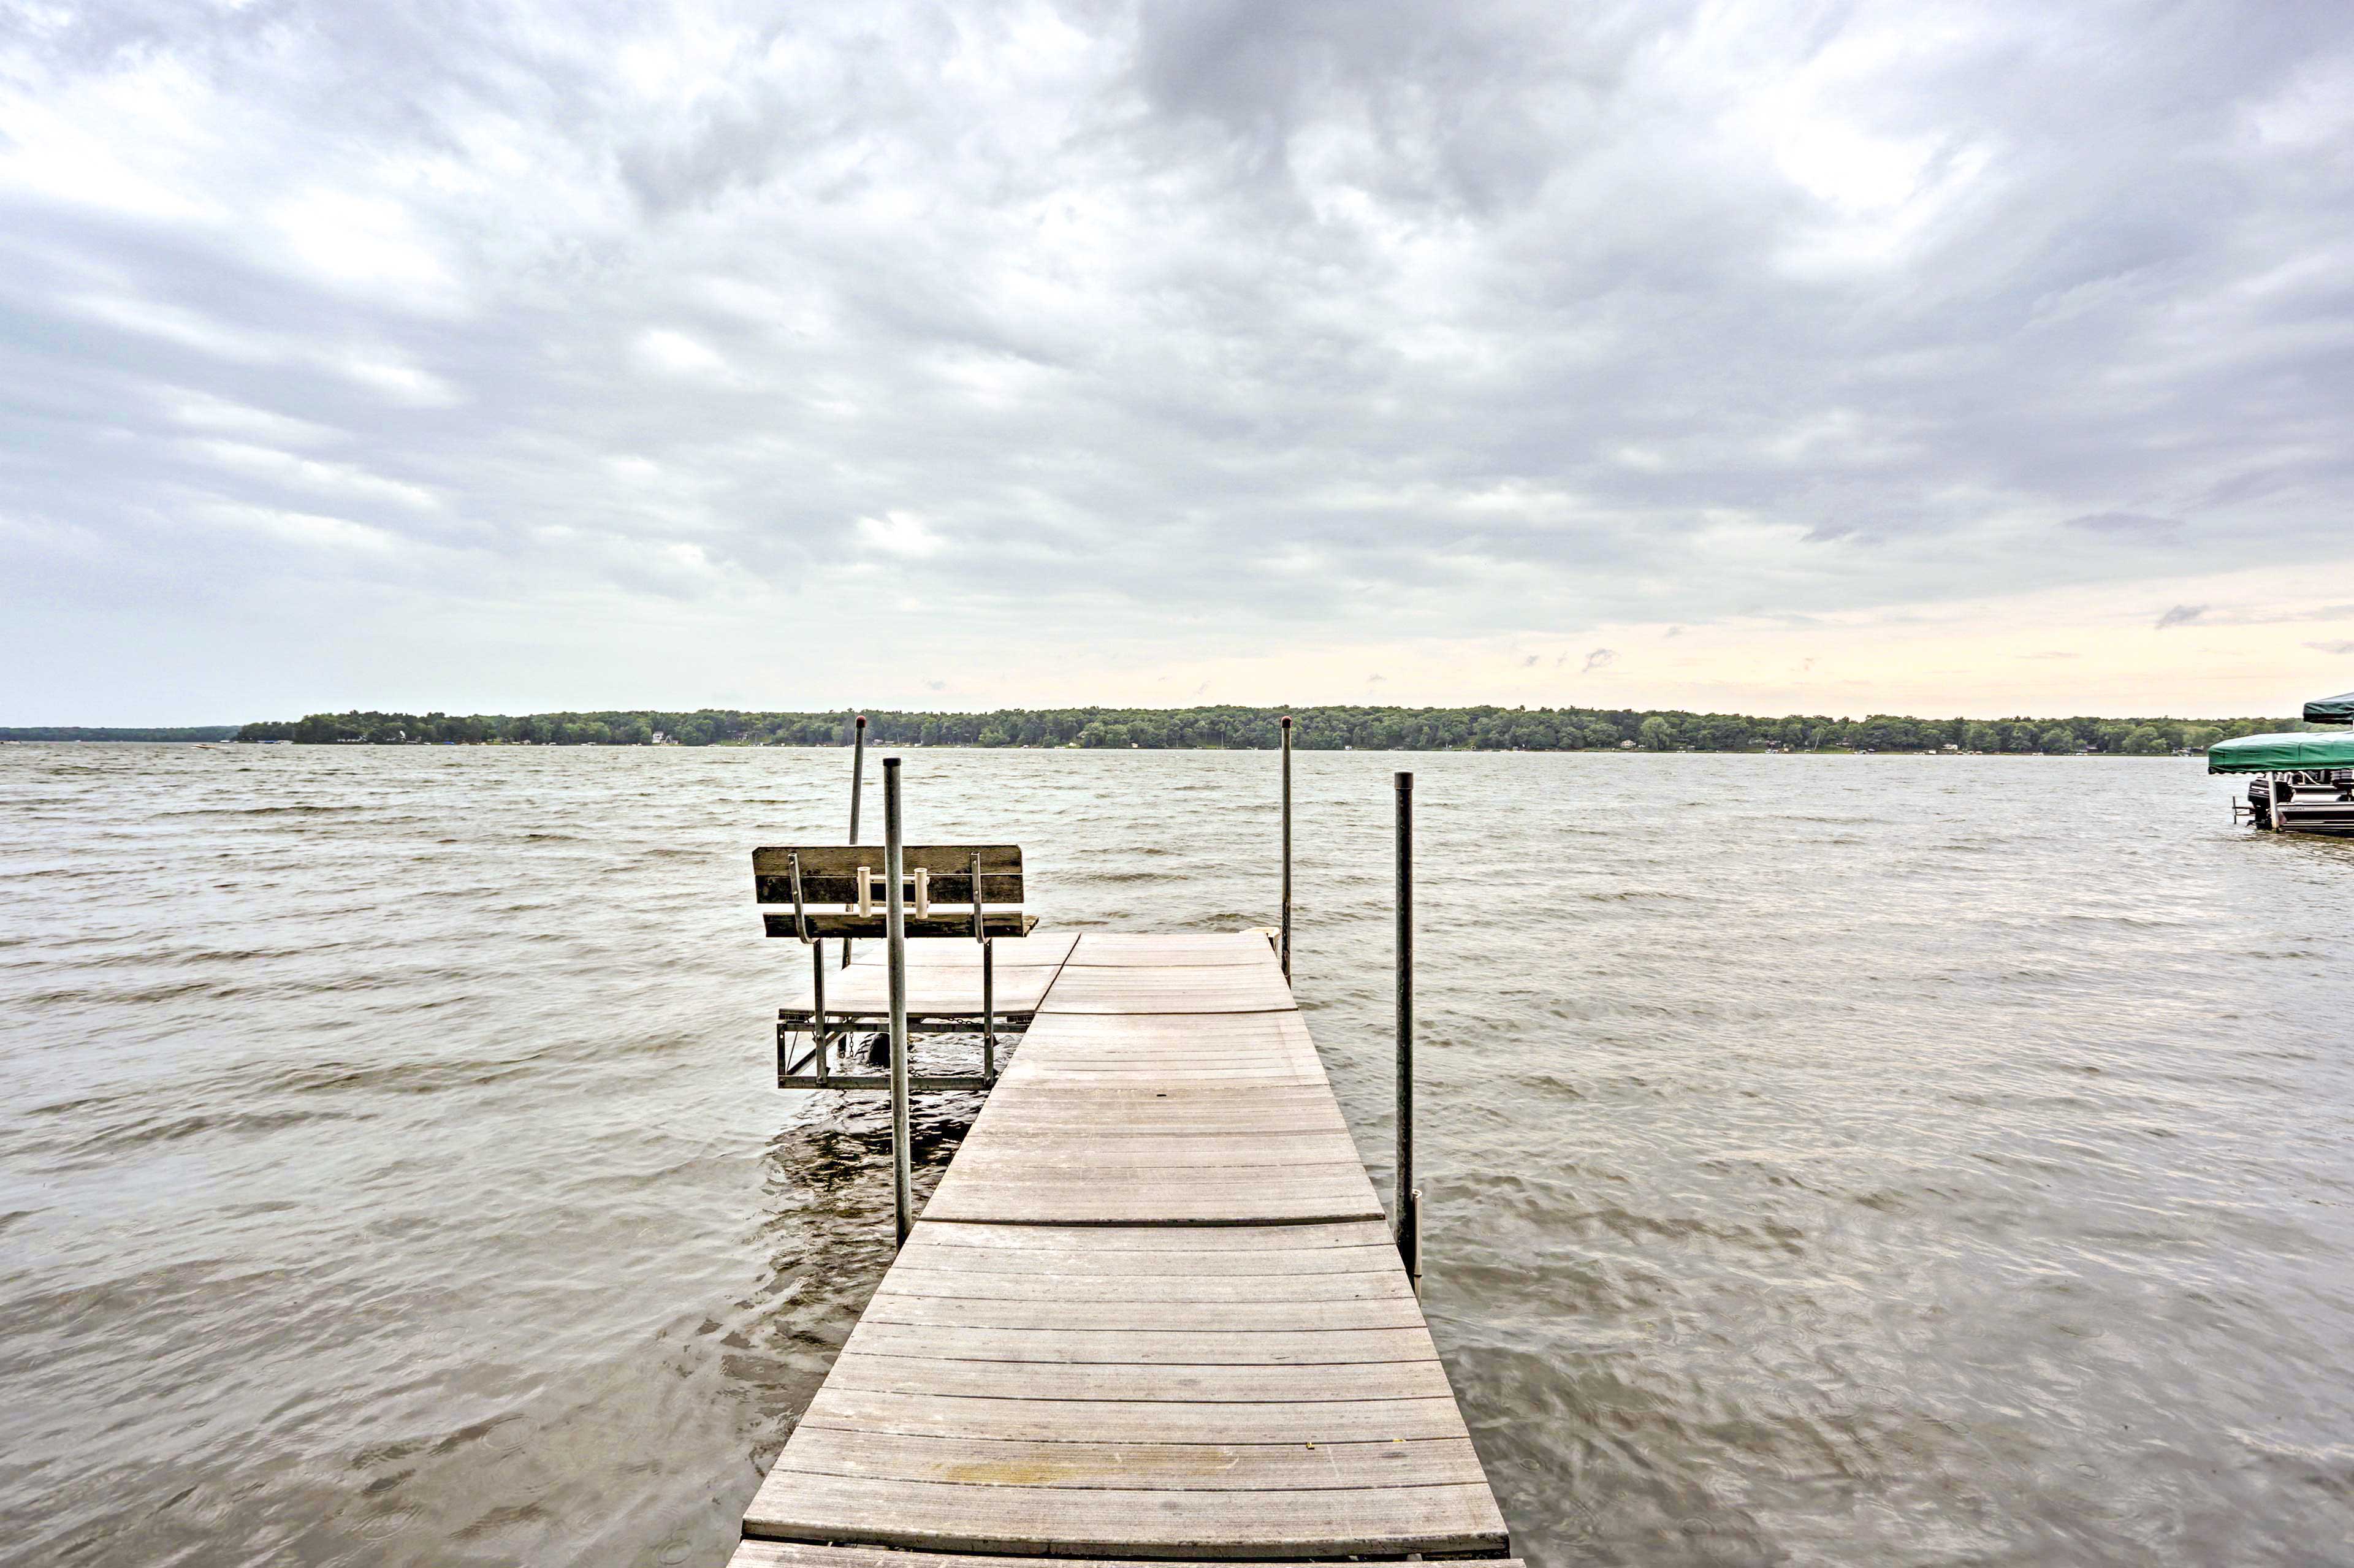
(1151, 1311)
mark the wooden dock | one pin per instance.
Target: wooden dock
(1152, 1311)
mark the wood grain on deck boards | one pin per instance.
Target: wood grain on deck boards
(1083, 1464)
(1012, 1348)
(1065, 1259)
(1196, 1036)
(1120, 1161)
(1180, 1030)
(1191, 1072)
(1062, 1069)
(1186, 1041)
(1138, 1382)
(1230, 1202)
(1262, 1056)
(1201, 1050)
(1210, 1318)
(1207, 988)
(1086, 1179)
(1223, 1033)
(1086, 1074)
(1151, 1311)
(1109, 949)
(1165, 1119)
(1291, 1242)
(964, 1284)
(1140, 1521)
(1191, 1146)
(1040, 1096)
(1195, 1145)
(1161, 1118)
(1150, 1116)
(1134, 1420)
(1273, 1056)
(1038, 1099)
(1185, 1046)
(800, 1554)
(1037, 1086)
(1024, 1156)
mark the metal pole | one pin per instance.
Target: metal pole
(895, 913)
(1286, 953)
(1409, 1198)
(817, 1005)
(857, 777)
(988, 1003)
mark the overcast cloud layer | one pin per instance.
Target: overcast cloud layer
(1988, 358)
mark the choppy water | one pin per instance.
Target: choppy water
(1862, 1160)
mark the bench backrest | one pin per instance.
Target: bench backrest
(843, 892)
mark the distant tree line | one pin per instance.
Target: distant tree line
(82, 732)
(1319, 729)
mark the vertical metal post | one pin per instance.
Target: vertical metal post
(2280, 820)
(1285, 952)
(1409, 1197)
(817, 1006)
(988, 1006)
(896, 915)
(857, 777)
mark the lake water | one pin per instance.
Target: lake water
(1868, 1161)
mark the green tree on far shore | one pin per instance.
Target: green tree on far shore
(1314, 730)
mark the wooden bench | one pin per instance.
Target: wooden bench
(971, 892)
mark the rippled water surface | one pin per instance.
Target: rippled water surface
(1856, 1160)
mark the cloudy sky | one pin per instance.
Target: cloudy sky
(1833, 357)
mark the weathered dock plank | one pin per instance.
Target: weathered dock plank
(1003, 1515)
(1134, 1420)
(1128, 1381)
(1094, 1464)
(1217, 1116)
(1181, 1245)
(796, 1555)
(1138, 949)
(1153, 1312)
(1061, 1316)
(1186, 989)
(1144, 1345)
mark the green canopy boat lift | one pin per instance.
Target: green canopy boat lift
(2306, 782)
(2338, 709)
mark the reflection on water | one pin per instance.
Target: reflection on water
(1878, 1160)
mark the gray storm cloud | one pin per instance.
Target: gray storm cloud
(447, 345)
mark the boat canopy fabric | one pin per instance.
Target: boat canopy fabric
(2330, 710)
(2281, 753)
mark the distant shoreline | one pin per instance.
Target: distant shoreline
(84, 732)
(919, 745)
(1326, 728)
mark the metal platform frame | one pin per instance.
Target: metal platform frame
(806, 1037)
